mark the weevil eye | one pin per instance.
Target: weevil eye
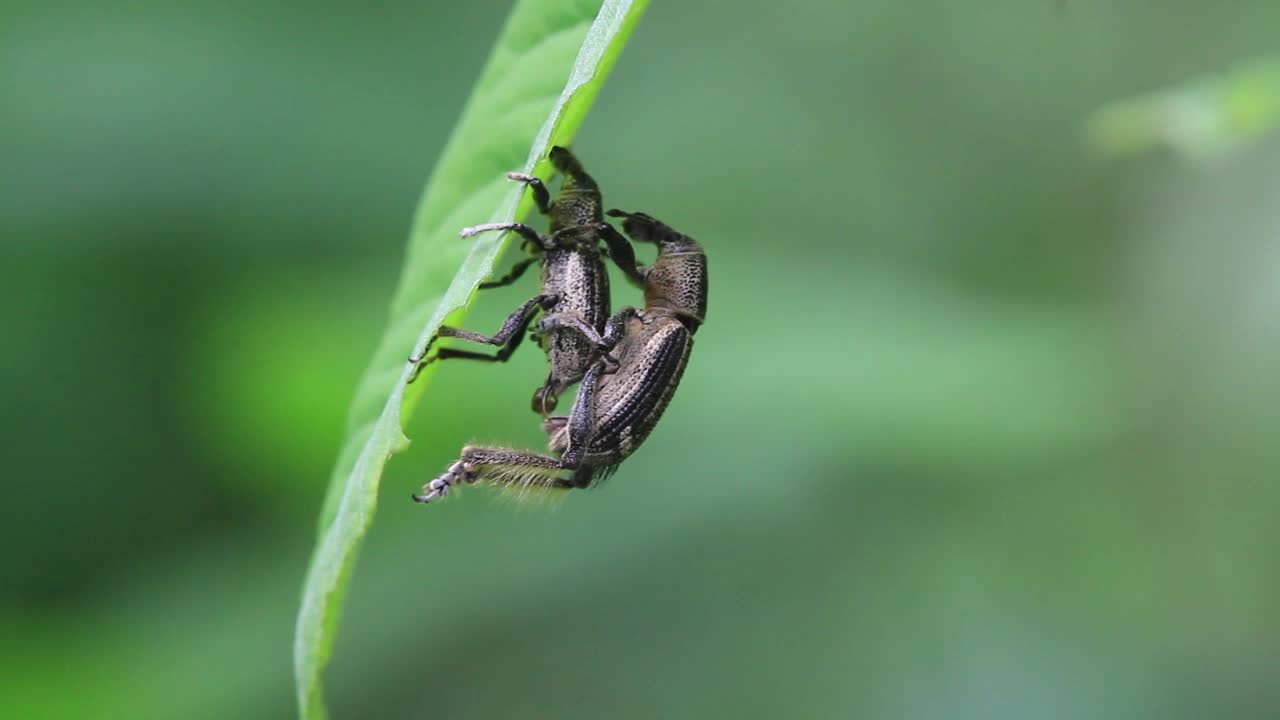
(543, 401)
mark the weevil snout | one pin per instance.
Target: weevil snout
(644, 228)
(579, 200)
(575, 177)
(677, 279)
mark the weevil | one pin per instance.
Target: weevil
(617, 405)
(575, 283)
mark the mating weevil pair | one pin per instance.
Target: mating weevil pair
(629, 364)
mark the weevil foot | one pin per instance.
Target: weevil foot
(417, 358)
(420, 361)
(417, 369)
(522, 177)
(541, 197)
(439, 487)
(473, 230)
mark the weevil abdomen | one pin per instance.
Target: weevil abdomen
(629, 402)
(579, 279)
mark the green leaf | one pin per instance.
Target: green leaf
(522, 94)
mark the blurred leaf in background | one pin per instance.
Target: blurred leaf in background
(981, 424)
(1206, 117)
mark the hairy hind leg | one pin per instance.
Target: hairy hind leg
(500, 466)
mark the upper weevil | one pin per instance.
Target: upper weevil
(618, 405)
(575, 284)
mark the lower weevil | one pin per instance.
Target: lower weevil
(617, 406)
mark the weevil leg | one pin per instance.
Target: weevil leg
(502, 355)
(541, 197)
(479, 457)
(513, 326)
(569, 321)
(517, 271)
(581, 478)
(616, 326)
(507, 339)
(572, 321)
(500, 466)
(582, 419)
(524, 231)
(622, 254)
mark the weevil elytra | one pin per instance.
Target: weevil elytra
(617, 406)
(575, 284)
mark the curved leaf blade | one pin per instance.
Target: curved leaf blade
(543, 41)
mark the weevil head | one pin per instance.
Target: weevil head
(578, 202)
(676, 282)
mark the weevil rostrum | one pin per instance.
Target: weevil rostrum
(619, 402)
(575, 285)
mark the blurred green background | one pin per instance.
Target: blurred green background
(982, 424)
